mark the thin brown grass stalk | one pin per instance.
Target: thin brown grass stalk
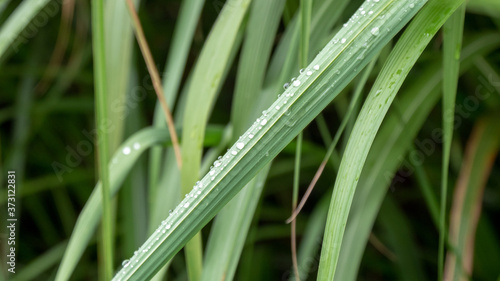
(310, 188)
(155, 77)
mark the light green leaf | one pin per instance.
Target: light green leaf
(403, 57)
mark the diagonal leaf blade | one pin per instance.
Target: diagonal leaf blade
(332, 69)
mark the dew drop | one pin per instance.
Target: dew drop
(126, 150)
(301, 71)
(250, 136)
(286, 85)
(212, 172)
(375, 31)
(186, 205)
(125, 263)
(343, 40)
(240, 145)
(264, 121)
(277, 107)
(412, 6)
(234, 152)
(137, 146)
(309, 73)
(296, 83)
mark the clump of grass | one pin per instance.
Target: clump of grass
(247, 52)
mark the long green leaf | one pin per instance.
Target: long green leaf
(391, 77)
(452, 46)
(17, 21)
(393, 141)
(118, 50)
(101, 105)
(332, 69)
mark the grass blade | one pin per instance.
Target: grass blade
(119, 45)
(102, 131)
(392, 75)
(392, 142)
(17, 21)
(452, 45)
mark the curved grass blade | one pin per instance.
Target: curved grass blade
(393, 141)
(17, 21)
(403, 57)
(121, 163)
(332, 69)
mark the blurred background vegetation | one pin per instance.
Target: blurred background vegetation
(47, 119)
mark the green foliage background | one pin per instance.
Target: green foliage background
(222, 63)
